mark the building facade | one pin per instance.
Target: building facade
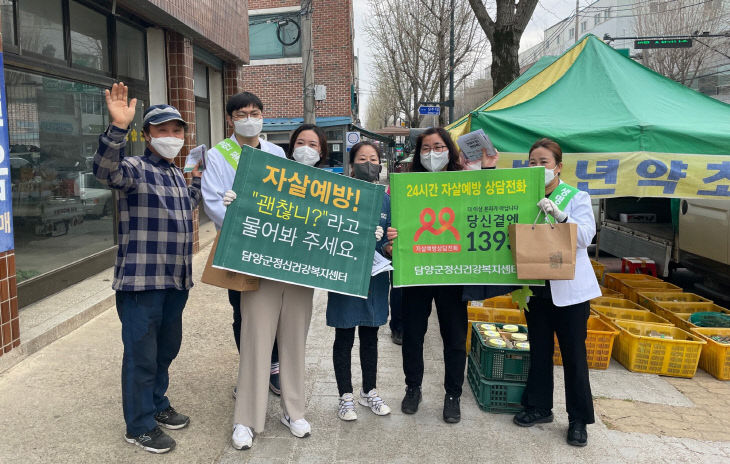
(275, 72)
(59, 56)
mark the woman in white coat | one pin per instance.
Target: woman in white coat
(561, 307)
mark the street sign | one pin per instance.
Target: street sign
(434, 110)
(663, 43)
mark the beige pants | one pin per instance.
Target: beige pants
(281, 311)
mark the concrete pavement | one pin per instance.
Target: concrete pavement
(62, 404)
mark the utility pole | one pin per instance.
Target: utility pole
(451, 66)
(307, 62)
(577, 6)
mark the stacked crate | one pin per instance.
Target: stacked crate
(497, 376)
(497, 309)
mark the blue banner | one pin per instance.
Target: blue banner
(6, 204)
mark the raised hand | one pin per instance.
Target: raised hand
(121, 113)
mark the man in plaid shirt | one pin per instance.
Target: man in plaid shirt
(153, 270)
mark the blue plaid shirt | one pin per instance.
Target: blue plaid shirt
(155, 216)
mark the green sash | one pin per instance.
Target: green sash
(562, 195)
(231, 152)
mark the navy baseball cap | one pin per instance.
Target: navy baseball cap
(158, 114)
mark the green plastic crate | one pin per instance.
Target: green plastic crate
(499, 363)
(494, 396)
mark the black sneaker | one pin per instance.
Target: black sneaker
(154, 441)
(452, 410)
(409, 405)
(274, 382)
(397, 337)
(532, 416)
(577, 433)
(171, 419)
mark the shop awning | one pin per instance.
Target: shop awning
(289, 124)
(372, 135)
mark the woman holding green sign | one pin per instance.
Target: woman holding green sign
(345, 312)
(435, 152)
(561, 307)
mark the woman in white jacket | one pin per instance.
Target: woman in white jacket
(561, 307)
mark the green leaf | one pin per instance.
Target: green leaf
(520, 297)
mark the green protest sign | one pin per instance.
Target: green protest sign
(299, 224)
(452, 226)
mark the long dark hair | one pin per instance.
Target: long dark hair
(323, 153)
(454, 159)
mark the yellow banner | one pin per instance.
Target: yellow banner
(641, 174)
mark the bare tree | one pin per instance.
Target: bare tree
(411, 42)
(682, 17)
(504, 34)
(383, 108)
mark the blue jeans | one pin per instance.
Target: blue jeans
(151, 334)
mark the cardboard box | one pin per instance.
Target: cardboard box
(227, 279)
(637, 217)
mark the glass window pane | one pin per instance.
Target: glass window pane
(41, 28)
(132, 55)
(264, 41)
(200, 80)
(61, 212)
(89, 38)
(202, 124)
(8, 22)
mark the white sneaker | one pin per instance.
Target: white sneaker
(299, 428)
(347, 408)
(374, 402)
(242, 437)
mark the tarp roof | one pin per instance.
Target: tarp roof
(592, 99)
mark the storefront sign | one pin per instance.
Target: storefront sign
(642, 174)
(452, 226)
(6, 203)
(299, 224)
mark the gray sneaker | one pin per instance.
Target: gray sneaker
(155, 441)
(171, 419)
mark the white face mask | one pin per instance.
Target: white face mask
(435, 161)
(306, 155)
(249, 127)
(167, 147)
(549, 176)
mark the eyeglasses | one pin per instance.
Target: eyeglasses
(437, 147)
(243, 115)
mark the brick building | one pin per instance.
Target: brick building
(275, 69)
(59, 56)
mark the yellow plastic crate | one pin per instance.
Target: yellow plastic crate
(502, 301)
(681, 320)
(599, 269)
(503, 315)
(715, 357)
(615, 303)
(612, 313)
(638, 352)
(630, 288)
(599, 343)
(652, 300)
(607, 292)
(613, 280)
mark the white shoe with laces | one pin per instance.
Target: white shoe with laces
(347, 408)
(242, 437)
(299, 428)
(374, 402)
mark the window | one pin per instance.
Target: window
(89, 38)
(202, 103)
(597, 19)
(41, 28)
(583, 26)
(571, 33)
(131, 52)
(7, 14)
(607, 13)
(200, 80)
(264, 33)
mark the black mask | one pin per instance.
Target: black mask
(366, 171)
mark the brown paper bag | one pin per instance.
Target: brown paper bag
(227, 279)
(544, 251)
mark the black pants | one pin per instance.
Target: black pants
(342, 355)
(569, 323)
(396, 307)
(452, 317)
(234, 298)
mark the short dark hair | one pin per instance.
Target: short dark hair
(242, 100)
(550, 145)
(454, 163)
(323, 152)
(355, 148)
